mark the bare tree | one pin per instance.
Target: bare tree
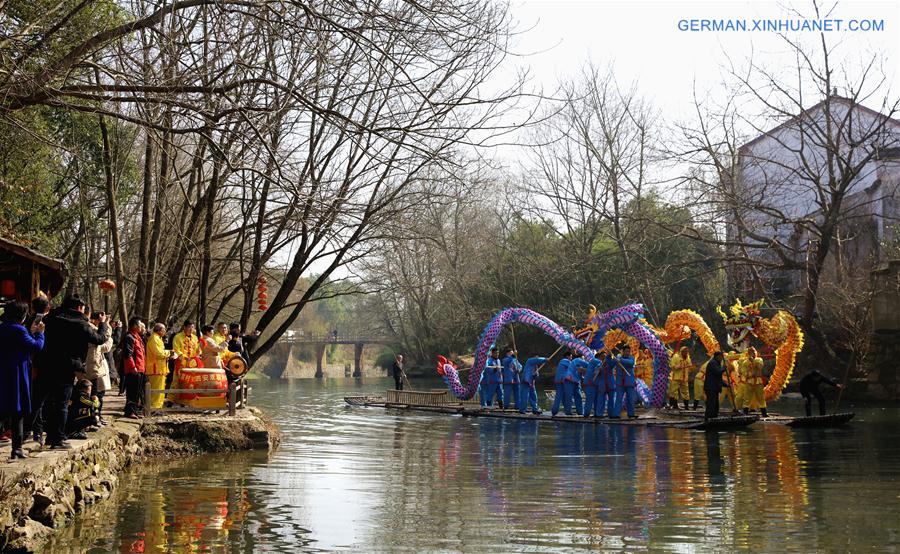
(783, 200)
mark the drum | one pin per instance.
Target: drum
(206, 379)
(236, 366)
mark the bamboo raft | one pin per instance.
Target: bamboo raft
(809, 422)
(442, 403)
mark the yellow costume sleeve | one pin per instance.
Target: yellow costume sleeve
(178, 344)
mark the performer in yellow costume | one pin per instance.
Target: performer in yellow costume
(734, 394)
(699, 394)
(157, 364)
(751, 367)
(221, 334)
(643, 368)
(186, 345)
(680, 366)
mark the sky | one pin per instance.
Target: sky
(643, 41)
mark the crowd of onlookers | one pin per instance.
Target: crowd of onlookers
(56, 366)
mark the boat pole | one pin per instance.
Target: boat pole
(844, 382)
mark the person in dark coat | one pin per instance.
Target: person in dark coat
(239, 342)
(397, 372)
(34, 422)
(713, 383)
(17, 344)
(114, 376)
(134, 363)
(67, 336)
(809, 388)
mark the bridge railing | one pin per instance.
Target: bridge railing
(319, 338)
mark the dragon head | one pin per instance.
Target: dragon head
(740, 323)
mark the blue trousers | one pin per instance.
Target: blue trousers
(628, 396)
(569, 391)
(590, 401)
(606, 400)
(511, 395)
(482, 393)
(576, 396)
(527, 399)
(562, 396)
(496, 392)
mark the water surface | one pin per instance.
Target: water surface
(370, 480)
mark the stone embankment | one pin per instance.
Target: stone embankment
(45, 491)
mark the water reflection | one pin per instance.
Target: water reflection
(370, 480)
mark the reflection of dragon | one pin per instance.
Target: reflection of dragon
(628, 319)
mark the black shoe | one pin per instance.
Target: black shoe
(764, 413)
(93, 429)
(687, 406)
(64, 445)
(39, 439)
(103, 422)
(696, 405)
(80, 435)
(17, 453)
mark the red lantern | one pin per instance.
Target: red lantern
(107, 285)
(262, 296)
(262, 281)
(8, 287)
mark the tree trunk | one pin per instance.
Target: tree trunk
(143, 248)
(206, 261)
(166, 159)
(113, 220)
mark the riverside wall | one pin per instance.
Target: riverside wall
(43, 492)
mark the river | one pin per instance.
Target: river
(370, 480)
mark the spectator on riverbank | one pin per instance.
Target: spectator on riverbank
(34, 422)
(134, 362)
(397, 372)
(210, 350)
(83, 411)
(239, 343)
(67, 336)
(17, 344)
(96, 368)
(114, 376)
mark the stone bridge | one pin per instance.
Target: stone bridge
(320, 342)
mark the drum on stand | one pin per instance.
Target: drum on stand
(236, 366)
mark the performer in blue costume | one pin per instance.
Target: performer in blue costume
(573, 381)
(527, 391)
(592, 382)
(625, 383)
(510, 377)
(493, 370)
(562, 370)
(606, 385)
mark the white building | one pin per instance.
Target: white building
(791, 177)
